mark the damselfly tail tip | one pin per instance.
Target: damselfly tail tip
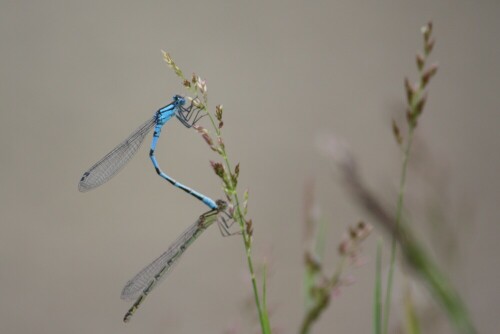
(129, 314)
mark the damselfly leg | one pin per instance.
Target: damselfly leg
(189, 116)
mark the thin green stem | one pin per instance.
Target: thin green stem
(399, 212)
(230, 191)
(377, 303)
(399, 209)
(322, 298)
(412, 323)
(248, 247)
(246, 238)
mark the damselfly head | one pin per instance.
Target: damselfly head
(221, 204)
(179, 100)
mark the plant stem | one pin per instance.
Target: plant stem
(246, 238)
(377, 303)
(399, 212)
(231, 191)
(322, 299)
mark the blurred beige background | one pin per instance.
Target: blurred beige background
(76, 77)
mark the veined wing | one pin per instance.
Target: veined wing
(157, 270)
(113, 162)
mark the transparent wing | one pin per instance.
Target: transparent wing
(156, 271)
(114, 161)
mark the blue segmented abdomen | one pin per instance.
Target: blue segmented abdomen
(206, 200)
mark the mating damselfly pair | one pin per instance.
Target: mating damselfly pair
(141, 284)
